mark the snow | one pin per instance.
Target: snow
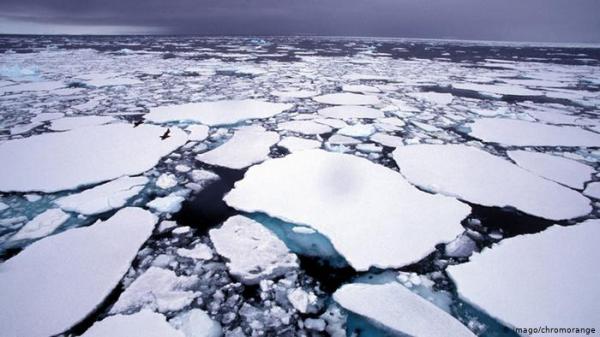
(347, 99)
(245, 148)
(295, 93)
(200, 252)
(159, 290)
(169, 204)
(358, 130)
(342, 140)
(197, 132)
(252, 251)
(216, 113)
(103, 198)
(387, 140)
(350, 111)
(391, 221)
(69, 123)
(196, 323)
(58, 281)
(42, 225)
(476, 176)
(360, 88)
(527, 289)
(397, 308)
(144, 323)
(166, 181)
(433, 97)
(521, 133)
(304, 127)
(66, 160)
(593, 190)
(295, 144)
(32, 86)
(562, 170)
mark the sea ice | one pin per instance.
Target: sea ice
(42, 225)
(66, 160)
(390, 219)
(498, 89)
(103, 198)
(69, 123)
(360, 88)
(358, 130)
(166, 181)
(32, 86)
(295, 144)
(433, 97)
(198, 132)
(169, 204)
(387, 140)
(347, 98)
(200, 252)
(216, 113)
(476, 176)
(252, 251)
(593, 190)
(58, 281)
(144, 323)
(304, 127)
(350, 112)
(196, 323)
(295, 93)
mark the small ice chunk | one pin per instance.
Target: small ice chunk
(295, 144)
(315, 324)
(358, 130)
(462, 246)
(295, 93)
(42, 225)
(342, 140)
(166, 181)
(196, 323)
(168, 204)
(433, 97)
(200, 252)
(301, 300)
(351, 112)
(593, 190)
(347, 99)
(144, 323)
(304, 127)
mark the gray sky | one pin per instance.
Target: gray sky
(519, 20)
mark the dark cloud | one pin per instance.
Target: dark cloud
(524, 20)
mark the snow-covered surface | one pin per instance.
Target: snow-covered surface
(390, 222)
(387, 140)
(476, 176)
(350, 111)
(245, 148)
(196, 323)
(103, 198)
(304, 127)
(166, 181)
(69, 123)
(546, 277)
(295, 144)
(433, 97)
(169, 204)
(252, 251)
(523, 133)
(198, 132)
(562, 170)
(216, 113)
(42, 225)
(200, 252)
(347, 98)
(66, 160)
(144, 323)
(399, 309)
(592, 190)
(295, 93)
(56, 282)
(357, 130)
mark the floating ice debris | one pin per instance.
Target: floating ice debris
(302, 300)
(69, 123)
(334, 123)
(295, 144)
(203, 177)
(32, 86)
(498, 89)
(562, 170)
(390, 221)
(350, 112)
(198, 132)
(521, 133)
(360, 88)
(471, 174)
(304, 127)
(216, 113)
(196, 323)
(433, 97)
(253, 252)
(387, 140)
(593, 190)
(168, 204)
(58, 281)
(159, 290)
(358, 130)
(369, 148)
(462, 246)
(103, 198)
(347, 98)
(295, 93)
(342, 140)
(166, 181)
(42, 225)
(144, 323)
(245, 148)
(66, 160)
(200, 252)
(541, 298)
(399, 309)
(108, 82)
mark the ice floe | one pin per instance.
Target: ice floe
(295, 144)
(347, 98)
(252, 251)
(69, 123)
(387, 140)
(295, 93)
(169, 204)
(350, 112)
(144, 323)
(433, 97)
(592, 190)
(66, 160)
(526, 288)
(476, 176)
(42, 225)
(304, 127)
(357, 130)
(196, 323)
(399, 309)
(198, 132)
(200, 252)
(216, 113)
(58, 281)
(166, 181)
(103, 198)
(391, 226)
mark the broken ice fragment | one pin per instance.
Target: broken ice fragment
(144, 323)
(347, 99)
(42, 225)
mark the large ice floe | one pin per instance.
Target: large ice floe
(216, 113)
(523, 133)
(476, 176)
(347, 98)
(253, 252)
(246, 147)
(537, 280)
(144, 323)
(374, 216)
(396, 308)
(58, 281)
(66, 160)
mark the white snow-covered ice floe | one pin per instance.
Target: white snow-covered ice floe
(347, 98)
(217, 113)
(295, 144)
(67, 160)
(350, 112)
(144, 323)
(517, 281)
(69, 123)
(42, 225)
(476, 176)
(252, 251)
(396, 308)
(390, 222)
(58, 281)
